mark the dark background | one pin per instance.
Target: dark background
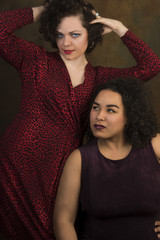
(142, 17)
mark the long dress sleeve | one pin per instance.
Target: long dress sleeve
(12, 48)
(148, 63)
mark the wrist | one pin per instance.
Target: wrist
(37, 12)
(120, 30)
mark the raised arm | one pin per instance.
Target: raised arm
(67, 199)
(12, 48)
(148, 64)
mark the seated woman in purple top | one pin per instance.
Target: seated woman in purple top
(116, 176)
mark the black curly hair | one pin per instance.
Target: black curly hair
(141, 124)
(56, 10)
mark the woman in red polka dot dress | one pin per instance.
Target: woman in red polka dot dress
(56, 90)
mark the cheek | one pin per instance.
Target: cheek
(121, 122)
(81, 46)
(110, 119)
(115, 121)
(92, 118)
(86, 43)
(58, 43)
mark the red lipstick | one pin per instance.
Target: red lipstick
(68, 51)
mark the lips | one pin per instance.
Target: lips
(68, 51)
(99, 127)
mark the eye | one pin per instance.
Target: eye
(94, 107)
(75, 35)
(59, 35)
(110, 110)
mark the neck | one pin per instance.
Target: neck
(114, 150)
(112, 143)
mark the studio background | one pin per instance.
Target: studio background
(142, 17)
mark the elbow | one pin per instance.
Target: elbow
(59, 223)
(63, 228)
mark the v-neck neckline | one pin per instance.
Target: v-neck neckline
(70, 82)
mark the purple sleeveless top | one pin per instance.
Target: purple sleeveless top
(120, 199)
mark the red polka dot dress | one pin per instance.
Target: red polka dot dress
(49, 125)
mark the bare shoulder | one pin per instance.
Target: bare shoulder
(156, 145)
(75, 153)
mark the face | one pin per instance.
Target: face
(72, 38)
(107, 116)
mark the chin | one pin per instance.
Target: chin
(69, 57)
(96, 135)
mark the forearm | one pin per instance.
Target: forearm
(37, 11)
(11, 46)
(12, 20)
(148, 63)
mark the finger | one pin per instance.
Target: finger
(157, 223)
(100, 20)
(157, 229)
(96, 14)
(105, 21)
(97, 20)
(158, 234)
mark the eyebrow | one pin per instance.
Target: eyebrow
(74, 31)
(109, 105)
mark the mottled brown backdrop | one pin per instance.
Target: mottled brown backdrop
(142, 17)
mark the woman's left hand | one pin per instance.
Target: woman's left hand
(157, 228)
(111, 25)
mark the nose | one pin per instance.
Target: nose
(101, 115)
(67, 41)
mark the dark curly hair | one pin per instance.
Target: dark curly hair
(141, 124)
(55, 10)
